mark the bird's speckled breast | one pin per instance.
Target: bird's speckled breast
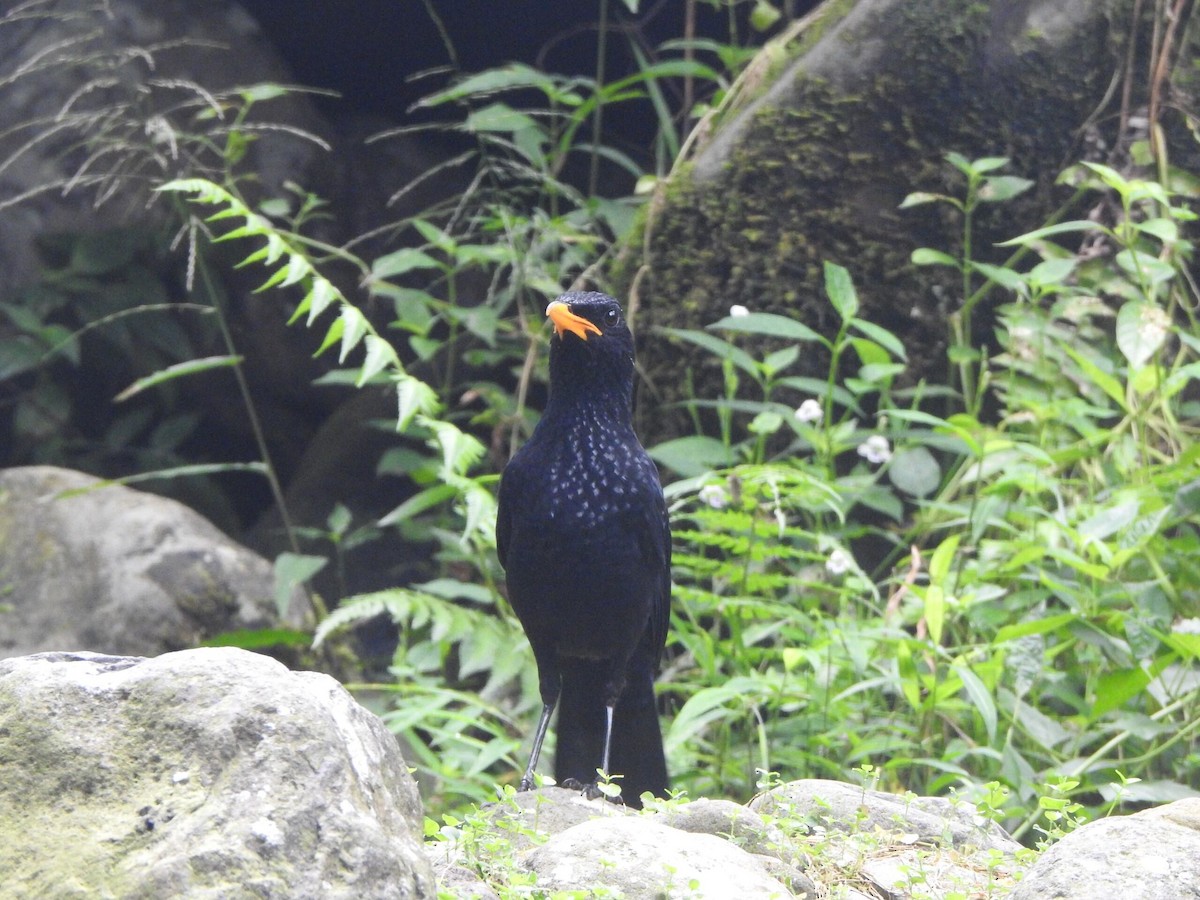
(596, 475)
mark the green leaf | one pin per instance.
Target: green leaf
(179, 370)
(840, 289)
(915, 471)
(1115, 688)
(998, 188)
(168, 474)
(1099, 377)
(919, 198)
(499, 117)
(291, 571)
(354, 327)
(988, 164)
(718, 347)
(692, 455)
(1037, 626)
(1051, 230)
(380, 355)
(320, 296)
(926, 256)
(419, 503)
(415, 398)
(259, 638)
(781, 359)
(769, 324)
(980, 697)
(1109, 521)
(406, 259)
(942, 558)
(1141, 330)
(1001, 275)
(935, 612)
(881, 336)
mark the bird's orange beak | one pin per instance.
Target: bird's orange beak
(565, 320)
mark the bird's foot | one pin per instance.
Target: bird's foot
(526, 785)
(592, 790)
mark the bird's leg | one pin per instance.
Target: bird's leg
(608, 725)
(538, 737)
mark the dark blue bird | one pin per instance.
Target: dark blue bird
(582, 533)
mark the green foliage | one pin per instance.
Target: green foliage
(975, 601)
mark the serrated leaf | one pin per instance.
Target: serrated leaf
(414, 397)
(322, 294)
(354, 328)
(380, 355)
(332, 336)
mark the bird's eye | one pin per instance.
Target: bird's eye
(612, 317)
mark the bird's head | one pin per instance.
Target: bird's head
(584, 314)
(592, 343)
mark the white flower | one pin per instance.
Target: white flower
(839, 562)
(875, 449)
(737, 311)
(810, 411)
(715, 496)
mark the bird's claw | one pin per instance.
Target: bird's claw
(590, 791)
(526, 785)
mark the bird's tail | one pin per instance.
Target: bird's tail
(637, 746)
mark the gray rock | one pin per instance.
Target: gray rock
(732, 821)
(120, 571)
(201, 774)
(67, 66)
(644, 859)
(932, 821)
(1152, 855)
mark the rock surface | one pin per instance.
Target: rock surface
(719, 849)
(846, 807)
(119, 571)
(203, 773)
(1151, 855)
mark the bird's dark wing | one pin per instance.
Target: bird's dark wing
(654, 536)
(504, 510)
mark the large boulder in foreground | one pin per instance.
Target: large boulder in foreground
(115, 570)
(204, 773)
(1152, 855)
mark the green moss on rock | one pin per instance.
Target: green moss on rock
(819, 171)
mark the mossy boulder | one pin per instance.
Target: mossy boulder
(861, 113)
